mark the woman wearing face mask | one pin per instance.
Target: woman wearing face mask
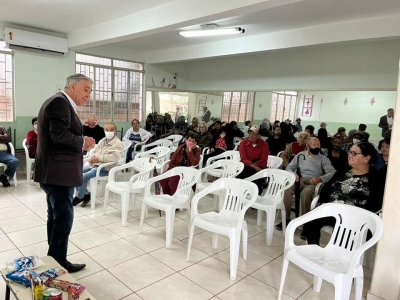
(204, 137)
(337, 155)
(358, 137)
(31, 139)
(186, 155)
(109, 149)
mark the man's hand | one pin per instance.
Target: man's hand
(315, 180)
(94, 160)
(89, 143)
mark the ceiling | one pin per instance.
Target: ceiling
(297, 15)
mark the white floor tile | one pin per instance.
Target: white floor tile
(181, 230)
(29, 236)
(92, 267)
(13, 212)
(9, 202)
(41, 249)
(131, 228)
(93, 237)
(148, 270)
(149, 240)
(5, 243)
(203, 242)
(21, 223)
(83, 223)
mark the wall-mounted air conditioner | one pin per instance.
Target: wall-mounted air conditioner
(18, 39)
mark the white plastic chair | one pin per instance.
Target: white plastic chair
(279, 153)
(5, 166)
(232, 155)
(29, 162)
(272, 198)
(174, 138)
(158, 143)
(128, 189)
(160, 154)
(167, 203)
(230, 220)
(93, 183)
(122, 160)
(339, 262)
(274, 162)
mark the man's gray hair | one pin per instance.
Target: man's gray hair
(309, 139)
(76, 78)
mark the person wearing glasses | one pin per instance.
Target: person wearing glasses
(362, 186)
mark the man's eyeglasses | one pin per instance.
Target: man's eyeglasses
(353, 153)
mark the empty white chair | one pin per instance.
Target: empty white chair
(272, 199)
(174, 138)
(180, 200)
(93, 183)
(158, 143)
(232, 155)
(5, 166)
(230, 220)
(29, 162)
(122, 160)
(274, 162)
(339, 262)
(128, 189)
(160, 154)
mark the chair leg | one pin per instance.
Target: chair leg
(259, 217)
(124, 207)
(234, 240)
(244, 239)
(317, 284)
(93, 192)
(283, 213)
(285, 265)
(28, 172)
(215, 241)
(142, 215)
(169, 218)
(15, 179)
(271, 212)
(106, 194)
(216, 203)
(343, 289)
(191, 233)
(359, 282)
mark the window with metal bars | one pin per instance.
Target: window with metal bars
(6, 87)
(117, 90)
(237, 106)
(283, 105)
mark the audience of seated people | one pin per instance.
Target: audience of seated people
(31, 139)
(186, 155)
(220, 143)
(93, 129)
(294, 148)
(6, 157)
(161, 128)
(276, 143)
(362, 186)
(254, 155)
(109, 149)
(204, 137)
(135, 135)
(314, 168)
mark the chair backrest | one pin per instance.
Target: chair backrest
(144, 166)
(188, 178)
(160, 154)
(274, 162)
(158, 143)
(229, 168)
(232, 155)
(174, 138)
(352, 225)
(25, 149)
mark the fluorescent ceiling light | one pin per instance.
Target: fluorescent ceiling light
(211, 32)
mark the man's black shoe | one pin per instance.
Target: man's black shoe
(76, 201)
(71, 268)
(86, 200)
(4, 180)
(279, 226)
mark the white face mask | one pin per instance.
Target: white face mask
(355, 141)
(35, 126)
(109, 134)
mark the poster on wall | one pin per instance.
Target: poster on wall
(307, 106)
(202, 103)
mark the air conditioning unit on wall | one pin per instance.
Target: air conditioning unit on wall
(21, 39)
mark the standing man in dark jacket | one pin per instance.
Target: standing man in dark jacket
(59, 161)
(386, 121)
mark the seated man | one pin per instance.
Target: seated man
(314, 168)
(254, 156)
(107, 150)
(6, 158)
(276, 143)
(92, 129)
(194, 127)
(135, 135)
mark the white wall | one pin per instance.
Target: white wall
(167, 71)
(262, 106)
(213, 103)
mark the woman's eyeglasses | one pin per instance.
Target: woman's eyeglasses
(353, 153)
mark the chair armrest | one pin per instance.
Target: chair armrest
(102, 166)
(206, 150)
(164, 166)
(153, 180)
(314, 202)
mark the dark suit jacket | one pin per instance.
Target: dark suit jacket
(383, 124)
(206, 117)
(59, 151)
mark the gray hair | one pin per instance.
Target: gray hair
(304, 133)
(76, 78)
(309, 139)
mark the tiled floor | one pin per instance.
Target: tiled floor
(124, 264)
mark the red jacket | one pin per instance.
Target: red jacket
(31, 141)
(250, 154)
(193, 157)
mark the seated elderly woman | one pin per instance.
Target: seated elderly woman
(383, 157)
(294, 148)
(362, 186)
(204, 137)
(186, 155)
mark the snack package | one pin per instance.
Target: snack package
(52, 273)
(24, 263)
(22, 276)
(64, 285)
(73, 294)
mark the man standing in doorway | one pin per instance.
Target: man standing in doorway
(386, 121)
(59, 161)
(206, 115)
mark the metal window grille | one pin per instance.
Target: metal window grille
(237, 106)
(6, 87)
(283, 105)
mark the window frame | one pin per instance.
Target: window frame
(284, 94)
(12, 53)
(113, 92)
(237, 117)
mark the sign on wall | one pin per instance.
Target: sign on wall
(307, 106)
